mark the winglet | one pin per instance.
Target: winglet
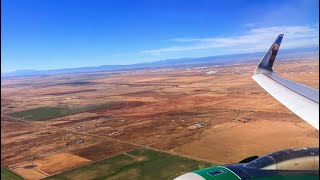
(266, 63)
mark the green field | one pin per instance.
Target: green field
(8, 175)
(43, 113)
(137, 164)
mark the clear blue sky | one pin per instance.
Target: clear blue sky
(51, 34)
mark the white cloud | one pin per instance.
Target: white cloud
(256, 39)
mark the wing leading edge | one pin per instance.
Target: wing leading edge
(300, 99)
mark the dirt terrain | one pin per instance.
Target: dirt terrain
(220, 117)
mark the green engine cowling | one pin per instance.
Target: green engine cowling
(223, 173)
(216, 173)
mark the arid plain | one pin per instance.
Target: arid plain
(213, 114)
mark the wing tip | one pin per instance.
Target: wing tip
(266, 64)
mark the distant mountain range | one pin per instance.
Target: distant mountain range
(184, 62)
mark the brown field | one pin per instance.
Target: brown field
(48, 165)
(222, 118)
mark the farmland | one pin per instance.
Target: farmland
(137, 164)
(122, 123)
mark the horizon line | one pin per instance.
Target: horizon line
(146, 62)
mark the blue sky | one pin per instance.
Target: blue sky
(52, 34)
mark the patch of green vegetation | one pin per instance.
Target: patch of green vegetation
(137, 164)
(9, 175)
(44, 113)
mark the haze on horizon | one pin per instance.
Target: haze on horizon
(57, 34)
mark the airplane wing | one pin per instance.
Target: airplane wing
(300, 99)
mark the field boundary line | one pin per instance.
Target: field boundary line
(131, 155)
